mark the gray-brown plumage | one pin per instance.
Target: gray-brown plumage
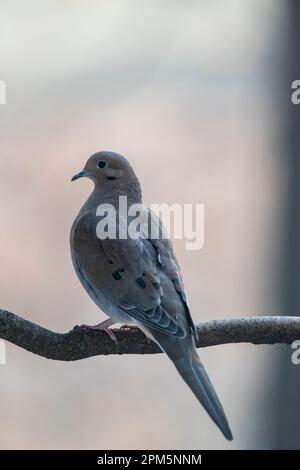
(138, 281)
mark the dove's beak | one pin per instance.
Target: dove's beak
(81, 174)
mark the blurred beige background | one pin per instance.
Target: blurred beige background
(183, 89)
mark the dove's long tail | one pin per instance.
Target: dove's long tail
(193, 373)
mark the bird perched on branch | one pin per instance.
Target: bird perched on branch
(136, 280)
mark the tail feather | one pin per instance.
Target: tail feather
(193, 373)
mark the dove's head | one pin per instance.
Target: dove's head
(110, 171)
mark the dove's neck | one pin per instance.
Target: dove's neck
(104, 195)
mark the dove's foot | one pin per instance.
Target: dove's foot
(135, 328)
(103, 326)
(129, 327)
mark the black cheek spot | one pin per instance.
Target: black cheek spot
(110, 261)
(117, 276)
(140, 282)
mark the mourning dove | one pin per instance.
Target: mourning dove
(137, 280)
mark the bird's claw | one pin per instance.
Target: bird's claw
(106, 330)
(136, 328)
(129, 327)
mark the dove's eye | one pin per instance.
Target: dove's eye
(102, 164)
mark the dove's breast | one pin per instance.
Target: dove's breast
(83, 253)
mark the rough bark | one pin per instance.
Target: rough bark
(80, 344)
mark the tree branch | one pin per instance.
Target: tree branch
(80, 344)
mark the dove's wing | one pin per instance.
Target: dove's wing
(168, 264)
(139, 285)
(129, 275)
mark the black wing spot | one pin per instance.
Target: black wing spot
(140, 282)
(156, 285)
(117, 276)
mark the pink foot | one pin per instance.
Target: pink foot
(135, 328)
(129, 327)
(103, 326)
